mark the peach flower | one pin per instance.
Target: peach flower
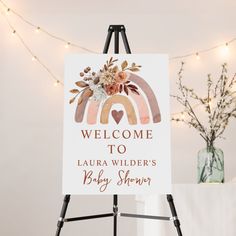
(120, 77)
(111, 89)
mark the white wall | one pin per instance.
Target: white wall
(31, 107)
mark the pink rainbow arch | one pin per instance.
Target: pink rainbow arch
(156, 115)
(142, 108)
(93, 112)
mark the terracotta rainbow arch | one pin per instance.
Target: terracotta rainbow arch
(118, 99)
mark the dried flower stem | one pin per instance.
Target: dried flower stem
(218, 116)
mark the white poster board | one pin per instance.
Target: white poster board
(116, 124)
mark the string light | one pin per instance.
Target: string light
(225, 49)
(67, 45)
(56, 83)
(226, 46)
(34, 58)
(21, 17)
(37, 30)
(91, 51)
(197, 56)
(8, 11)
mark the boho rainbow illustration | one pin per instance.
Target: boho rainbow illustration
(99, 91)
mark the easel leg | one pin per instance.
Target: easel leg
(125, 40)
(174, 214)
(60, 222)
(115, 211)
(108, 39)
(116, 45)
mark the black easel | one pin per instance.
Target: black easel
(117, 30)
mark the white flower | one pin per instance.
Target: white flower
(99, 93)
(92, 86)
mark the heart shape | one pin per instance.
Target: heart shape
(117, 115)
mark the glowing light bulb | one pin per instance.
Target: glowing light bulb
(227, 47)
(225, 50)
(34, 58)
(37, 30)
(56, 83)
(197, 56)
(67, 45)
(8, 11)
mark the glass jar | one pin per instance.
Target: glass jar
(211, 165)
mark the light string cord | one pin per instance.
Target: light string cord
(15, 32)
(204, 50)
(69, 43)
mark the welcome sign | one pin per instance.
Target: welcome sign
(116, 124)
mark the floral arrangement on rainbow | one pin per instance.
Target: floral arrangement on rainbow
(108, 81)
